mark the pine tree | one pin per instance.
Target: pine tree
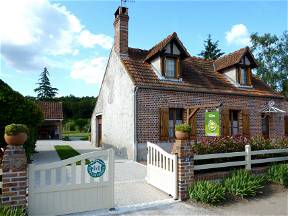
(211, 51)
(45, 91)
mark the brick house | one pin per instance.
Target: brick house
(145, 93)
(51, 128)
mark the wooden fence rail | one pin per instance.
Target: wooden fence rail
(247, 161)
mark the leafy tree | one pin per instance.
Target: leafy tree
(45, 91)
(81, 123)
(15, 108)
(211, 50)
(271, 53)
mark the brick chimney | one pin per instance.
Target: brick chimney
(121, 31)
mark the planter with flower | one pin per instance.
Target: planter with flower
(16, 134)
(182, 131)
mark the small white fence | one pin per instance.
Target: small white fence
(162, 169)
(247, 162)
(67, 187)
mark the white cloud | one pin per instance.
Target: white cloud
(33, 30)
(89, 40)
(89, 70)
(238, 35)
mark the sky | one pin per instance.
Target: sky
(73, 39)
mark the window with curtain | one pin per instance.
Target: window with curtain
(234, 121)
(175, 117)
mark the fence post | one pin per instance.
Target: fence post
(14, 178)
(248, 157)
(185, 172)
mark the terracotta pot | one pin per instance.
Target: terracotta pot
(18, 139)
(181, 135)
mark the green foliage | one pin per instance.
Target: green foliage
(236, 143)
(70, 125)
(12, 211)
(45, 91)
(272, 59)
(183, 128)
(242, 183)
(211, 50)
(66, 138)
(207, 192)
(14, 129)
(278, 173)
(81, 123)
(18, 109)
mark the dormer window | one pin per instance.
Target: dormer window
(170, 67)
(244, 75)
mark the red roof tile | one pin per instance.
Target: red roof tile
(158, 47)
(198, 75)
(232, 59)
(51, 110)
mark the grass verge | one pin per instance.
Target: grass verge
(66, 151)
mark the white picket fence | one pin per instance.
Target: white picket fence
(247, 162)
(162, 170)
(66, 187)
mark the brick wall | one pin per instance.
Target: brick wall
(149, 101)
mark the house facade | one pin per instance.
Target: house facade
(145, 93)
(51, 128)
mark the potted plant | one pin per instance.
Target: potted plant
(182, 131)
(16, 134)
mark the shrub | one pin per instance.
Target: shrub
(16, 108)
(207, 192)
(278, 174)
(242, 183)
(12, 211)
(14, 129)
(66, 138)
(183, 128)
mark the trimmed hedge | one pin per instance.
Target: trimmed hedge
(15, 108)
(14, 129)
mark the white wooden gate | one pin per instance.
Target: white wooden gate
(162, 170)
(67, 187)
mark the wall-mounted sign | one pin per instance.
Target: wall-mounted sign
(96, 168)
(212, 124)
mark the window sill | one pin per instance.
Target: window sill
(171, 79)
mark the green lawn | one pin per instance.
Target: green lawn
(75, 134)
(66, 151)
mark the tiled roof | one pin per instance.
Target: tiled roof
(230, 59)
(158, 47)
(198, 75)
(51, 110)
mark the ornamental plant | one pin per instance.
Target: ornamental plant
(207, 192)
(242, 184)
(14, 129)
(186, 128)
(278, 173)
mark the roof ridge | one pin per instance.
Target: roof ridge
(199, 58)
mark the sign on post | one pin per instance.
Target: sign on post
(212, 124)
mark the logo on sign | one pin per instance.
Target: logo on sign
(96, 168)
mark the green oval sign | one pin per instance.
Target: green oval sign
(96, 168)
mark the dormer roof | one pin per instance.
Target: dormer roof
(234, 58)
(162, 44)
